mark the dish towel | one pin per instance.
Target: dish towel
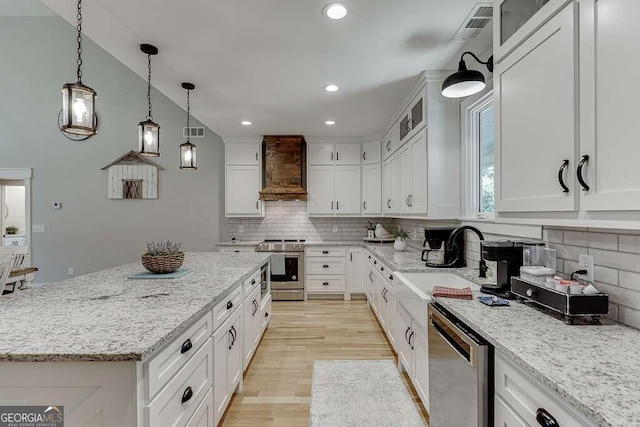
(445, 292)
(277, 265)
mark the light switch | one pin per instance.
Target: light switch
(38, 228)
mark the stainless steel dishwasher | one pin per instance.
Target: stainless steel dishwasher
(460, 373)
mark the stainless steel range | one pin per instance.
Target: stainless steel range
(287, 278)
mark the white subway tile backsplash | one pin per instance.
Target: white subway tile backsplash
(605, 275)
(552, 235)
(568, 252)
(629, 316)
(629, 280)
(591, 240)
(620, 260)
(629, 243)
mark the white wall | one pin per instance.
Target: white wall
(92, 232)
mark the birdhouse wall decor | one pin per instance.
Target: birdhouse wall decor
(132, 176)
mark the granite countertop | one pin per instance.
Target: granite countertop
(104, 316)
(239, 243)
(594, 369)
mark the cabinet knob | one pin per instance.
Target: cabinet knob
(325, 284)
(325, 252)
(375, 262)
(325, 266)
(253, 282)
(391, 277)
(229, 305)
(186, 346)
(381, 268)
(544, 418)
(187, 395)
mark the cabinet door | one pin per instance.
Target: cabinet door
(536, 120)
(320, 190)
(406, 179)
(418, 200)
(370, 280)
(402, 344)
(609, 123)
(348, 154)
(395, 184)
(355, 270)
(371, 152)
(420, 361)
(242, 187)
(371, 189)
(347, 188)
(251, 311)
(387, 146)
(392, 317)
(221, 392)
(386, 188)
(234, 358)
(504, 415)
(321, 153)
(417, 112)
(405, 126)
(243, 154)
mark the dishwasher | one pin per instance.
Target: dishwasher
(460, 373)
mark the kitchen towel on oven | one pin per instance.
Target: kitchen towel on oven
(445, 292)
(277, 265)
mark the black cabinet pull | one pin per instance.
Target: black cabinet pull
(331, 205)
(229, 305)
(231, 344)
(565, 163)
(325, 266)
(381, 268)
(186, 346)
(388, 145)
(391, 277)
(337, 156)
(266, 314)
(234, 335)
(256, 157)
(406, 332)
(325, 284)
(331, 156)
(338, 206)
(389, 203)
(257, 204)
(369, 256)
(253, 282)
(545, 419)
(409, 340)
(364, 156)
(375, 262)
(325, 252)
(364, 205)
(585, 186)
(187, 395)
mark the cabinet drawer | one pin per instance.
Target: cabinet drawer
(203, 417)
(505, 417)
(190, 385)
(526, 397)
(328, 284)
(238, 249)
(326, 252)
(252, 283)
(326, 266)
(159, 369)
(226, 306)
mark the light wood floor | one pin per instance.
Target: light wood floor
(277, 385)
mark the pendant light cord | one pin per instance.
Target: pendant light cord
(79, 50)
(149, 116)
(188, 115)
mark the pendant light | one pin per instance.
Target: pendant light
(188, 150)
(78, 120)
(148, 131)
(465, 82)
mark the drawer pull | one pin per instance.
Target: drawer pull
(325, 266)
(545, 419)
(325, 252)
(187, 395)
(381, 268)
(253, 282)
(229, 305)
(325, 284)
(375, 262)
(186, 346)
(266, 314)
(585, 159)
(232, 331)
(391, 277)
(565, 189)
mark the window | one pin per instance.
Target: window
(478, 148)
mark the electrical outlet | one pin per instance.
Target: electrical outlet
(38, 228)
(335, 228)
(241, 229)
(70, 271)
(585, 262)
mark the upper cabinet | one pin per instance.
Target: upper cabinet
(334, 190)
(371, 153)
(243, 179)
(413, 119)
(372, 189)
(536, 119)
(391, 141)
(322, 153)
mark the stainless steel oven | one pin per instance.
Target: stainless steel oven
(288, 283)
(264, 281)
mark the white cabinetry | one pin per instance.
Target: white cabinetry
(391, 185)
(227, 362)
(251, 326)
(371, 153)
(326, 270)
(243, 180)
(536, 118)
(413, 355)
(326, 153)
(372, 189)
(519, 399)
(355, 271)
(334, 190)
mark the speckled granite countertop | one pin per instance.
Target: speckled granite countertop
(104, 316)
(594, 369)
(238, 243)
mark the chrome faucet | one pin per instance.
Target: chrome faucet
(451, 244)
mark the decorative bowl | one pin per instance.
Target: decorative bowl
(163, 264)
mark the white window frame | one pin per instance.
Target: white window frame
(26, 175)
(471, 107)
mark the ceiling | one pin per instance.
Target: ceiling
(267, 61)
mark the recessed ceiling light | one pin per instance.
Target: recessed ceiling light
(335, 10)
(245, 123)
(330, 122)
(331, 88)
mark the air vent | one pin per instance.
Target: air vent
(193, 132)
(480, 16)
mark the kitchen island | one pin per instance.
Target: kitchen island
(135, 352)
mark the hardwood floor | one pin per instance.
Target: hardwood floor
(277, 385)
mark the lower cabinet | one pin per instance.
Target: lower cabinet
(355, 271)
(251, 327)
(227, 362)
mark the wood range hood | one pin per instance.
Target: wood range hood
(284, 168)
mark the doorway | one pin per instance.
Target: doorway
(15, 208)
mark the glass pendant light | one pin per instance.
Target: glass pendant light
(188, 150)
(78, 120)
(148, 131)
(465, 82)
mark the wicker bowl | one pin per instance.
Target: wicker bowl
(163, 264)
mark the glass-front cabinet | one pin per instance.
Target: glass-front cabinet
(412, 119)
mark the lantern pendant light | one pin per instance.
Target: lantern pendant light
(78, 120)
(188, 150)
(148, 131)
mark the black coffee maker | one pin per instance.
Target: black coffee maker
(508, 256)
(434, 238)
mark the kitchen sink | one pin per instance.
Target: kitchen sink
(413, 290)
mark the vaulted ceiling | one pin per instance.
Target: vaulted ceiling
(267, 61)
